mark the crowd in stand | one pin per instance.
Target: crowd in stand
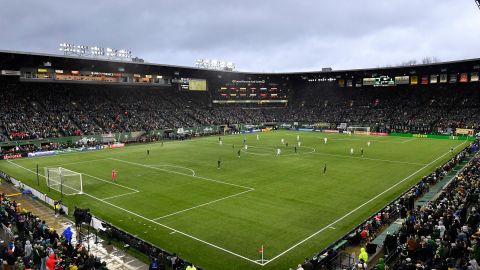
(31, 244)
(33, 111)
(444, 234)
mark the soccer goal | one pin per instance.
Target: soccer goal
(64, 180)
(359, 130)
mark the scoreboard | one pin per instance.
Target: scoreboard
(189, 84)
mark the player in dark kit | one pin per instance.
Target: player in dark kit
(361, 152)
(219, 162)
(324, 168)
(286, 144)
(295, 149)
(238, 153)
(148, 152)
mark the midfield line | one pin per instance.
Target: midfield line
(374, 159)
(357, 208)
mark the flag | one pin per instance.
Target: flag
(261, 249)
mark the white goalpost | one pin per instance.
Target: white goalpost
(358, 130)
(64, 180)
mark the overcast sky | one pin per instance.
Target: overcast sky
(257, 35)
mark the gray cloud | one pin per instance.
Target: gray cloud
(266, 35)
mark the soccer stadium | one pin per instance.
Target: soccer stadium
(109, 161)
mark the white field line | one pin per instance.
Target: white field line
(86, 161)
(374, 159)
(51, 186)
(201, 205)
(409, 140)
(57, 188)
(71, 163)
(158, 223)
(111, 182)
(353, 139)
(121, 195)
(356, 209)
(180, 173)
(173, 166)
(273, 149)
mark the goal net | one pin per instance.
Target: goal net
(64, 180)
(359, 130)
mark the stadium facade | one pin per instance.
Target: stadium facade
(144, 99)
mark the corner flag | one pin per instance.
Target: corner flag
(261, 251)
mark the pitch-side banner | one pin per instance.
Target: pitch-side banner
(464, 131)
(464, 77)
(341, 83)
(434, 78)
(402, 79)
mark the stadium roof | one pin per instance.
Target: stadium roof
(450, 66)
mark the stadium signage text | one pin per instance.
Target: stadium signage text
(242, 81)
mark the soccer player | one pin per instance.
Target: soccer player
(351, 151)
(325, 140)
(246, 147)
(114, 175)
(278, 151)
(286, 144)
(324, 168)
(244, 140)
(282, 141)
(295, 149)
(368, 143)
(299, 144)
(220, 142)
(238, 153)
(219, 162)
(148, 152)
(219, 139)
(361, 152)
(298, 137)
(258, 137)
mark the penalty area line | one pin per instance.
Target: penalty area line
(180, 173)
(158, 223)
(121, 195)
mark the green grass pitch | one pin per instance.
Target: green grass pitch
(177, 199)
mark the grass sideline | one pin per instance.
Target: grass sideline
(177, 199)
